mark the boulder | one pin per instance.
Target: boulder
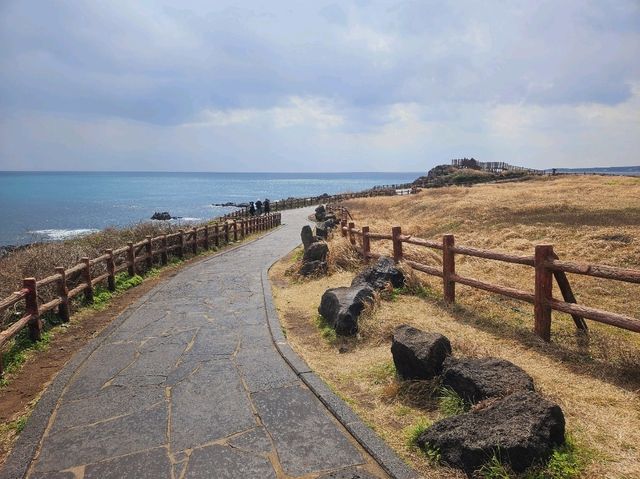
(341, 307)
(418, 354)
(321, 211)
(478, 379)
(313, 267)
(307, 237)
(522, 428)
(329, 223)
(317, 251)
(322, 231)
(378, 275)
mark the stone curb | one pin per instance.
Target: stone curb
(26, 446)
(367, 438)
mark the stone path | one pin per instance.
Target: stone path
(190, 385)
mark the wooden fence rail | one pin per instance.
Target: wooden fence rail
(546, 264)
(111, 263)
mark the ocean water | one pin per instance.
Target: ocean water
(53, 206)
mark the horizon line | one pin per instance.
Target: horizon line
(195, 171)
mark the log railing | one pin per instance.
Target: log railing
(545, 262)
(112, 262)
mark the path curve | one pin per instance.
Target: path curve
(188, 383)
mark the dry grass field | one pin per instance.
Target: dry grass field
(595, 379)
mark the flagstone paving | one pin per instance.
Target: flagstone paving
(190, 385)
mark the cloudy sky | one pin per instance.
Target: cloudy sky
(312, 86)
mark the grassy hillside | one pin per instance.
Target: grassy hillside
(588, 219)
(595, 379)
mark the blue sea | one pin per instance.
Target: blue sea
(56, 205)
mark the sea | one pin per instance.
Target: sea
(50, 206)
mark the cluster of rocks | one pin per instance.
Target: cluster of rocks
(341, 307)
(514, 421)
(162, 216)
(325, 221)
(316, 250)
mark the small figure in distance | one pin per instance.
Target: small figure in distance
(259, 207)
(267, 206)
(252, 208)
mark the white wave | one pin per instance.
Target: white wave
(59, 234)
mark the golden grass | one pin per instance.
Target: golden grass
(595, 379)
(590, 219)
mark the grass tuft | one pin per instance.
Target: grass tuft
(450, 403)
(494, 469)
(414, 432)
(326, 331)
(567, 462)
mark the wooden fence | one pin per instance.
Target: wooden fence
(545, 262)
(126, 258)
(292, 203)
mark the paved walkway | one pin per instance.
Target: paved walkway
(190, 385)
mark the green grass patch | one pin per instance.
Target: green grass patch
(21, 349)
(567, 462)
(298, 254)
(494, 469)
(16, 426)
(414, 432)
(326, 331)
(450, 403)
(381, 373)
(125, 282)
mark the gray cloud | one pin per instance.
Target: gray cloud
(342, 75)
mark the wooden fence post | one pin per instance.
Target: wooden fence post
(543, 291)
(181, 244)
(343, 224)
(111, 270)
(149, 250)
(164, 255)
(131, 259)
(31, 306)
(352, 236)
(448, 269)
(63, 294)
(194, 247)
(216, 233)
(235, 231)
(86, 276)
(206, 237)
(226, 232)
(396, 232)
(366, 243)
